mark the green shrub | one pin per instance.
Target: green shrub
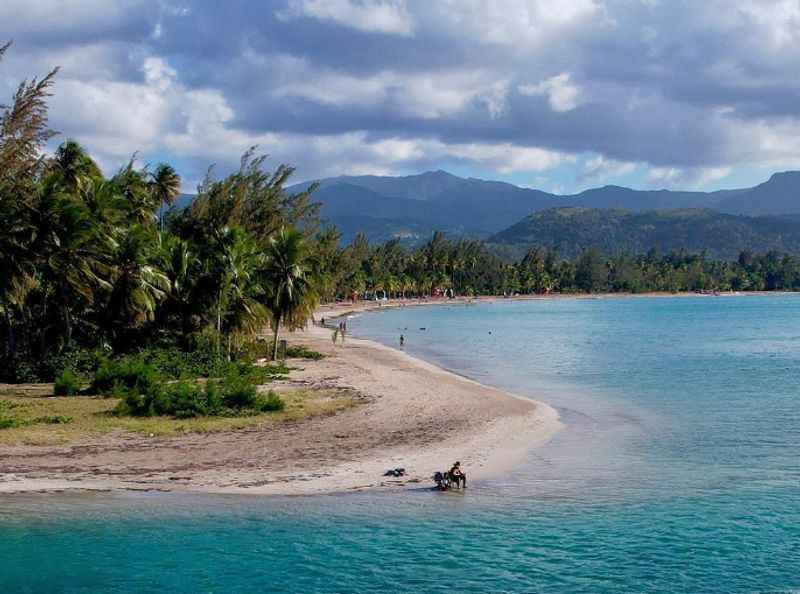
(301, 352)
(174, 363)
(271, 403)
(239, 391)
(54, 420)
(30, 367)
(143, 383)
(262, 349)
(123, 374)
(214, 399)
(262, 374)
(187, 399)
(67, 384)
(82, 362)
(7, 422)
(19, 371)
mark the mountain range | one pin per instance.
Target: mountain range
(412, 207)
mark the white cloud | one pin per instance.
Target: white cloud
(600, 168)
(686, 177)
(379, 16)
(55, 16)
(508, 158)
(426, 95)
(158, 75)
(562, 94)
(519, 24)
(112, 118)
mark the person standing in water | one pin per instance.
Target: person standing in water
(402, 340)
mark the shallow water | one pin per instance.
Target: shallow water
(678, 471)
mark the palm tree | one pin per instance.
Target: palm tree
(76, 245)
(23, 134)
(17, 261)
(134, 186)
(289, 279)
(178, 262)
(237, 262)
(138, 285)
(165, 184)
(72, 168)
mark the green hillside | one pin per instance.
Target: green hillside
(573, 229)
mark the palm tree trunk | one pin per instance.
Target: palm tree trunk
(11, 343)
(275, 338)
(219, 324)
(67, 324)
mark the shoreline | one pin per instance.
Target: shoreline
(414, 415)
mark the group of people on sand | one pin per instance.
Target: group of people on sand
(455, 477)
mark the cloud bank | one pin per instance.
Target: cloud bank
(576, 91)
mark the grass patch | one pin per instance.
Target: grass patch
(262, 349)
(32, 412)
(300, 352)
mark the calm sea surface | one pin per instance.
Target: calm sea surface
(678, 471)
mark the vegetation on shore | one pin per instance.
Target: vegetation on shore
(92, 277)
(30, 415)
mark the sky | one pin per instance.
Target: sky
(559, 95)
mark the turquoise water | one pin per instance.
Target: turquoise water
(678, 471)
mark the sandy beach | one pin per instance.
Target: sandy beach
(412, 415)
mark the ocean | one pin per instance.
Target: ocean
(678, 470)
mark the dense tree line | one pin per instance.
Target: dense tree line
(91, 262)
(85, 262)
(468, 267)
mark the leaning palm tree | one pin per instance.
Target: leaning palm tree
(288, 276)
(165, 184)
(76, 246)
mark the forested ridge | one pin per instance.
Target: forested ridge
(571, 230)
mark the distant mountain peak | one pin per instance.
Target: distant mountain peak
(783, 176)
(440, 173)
